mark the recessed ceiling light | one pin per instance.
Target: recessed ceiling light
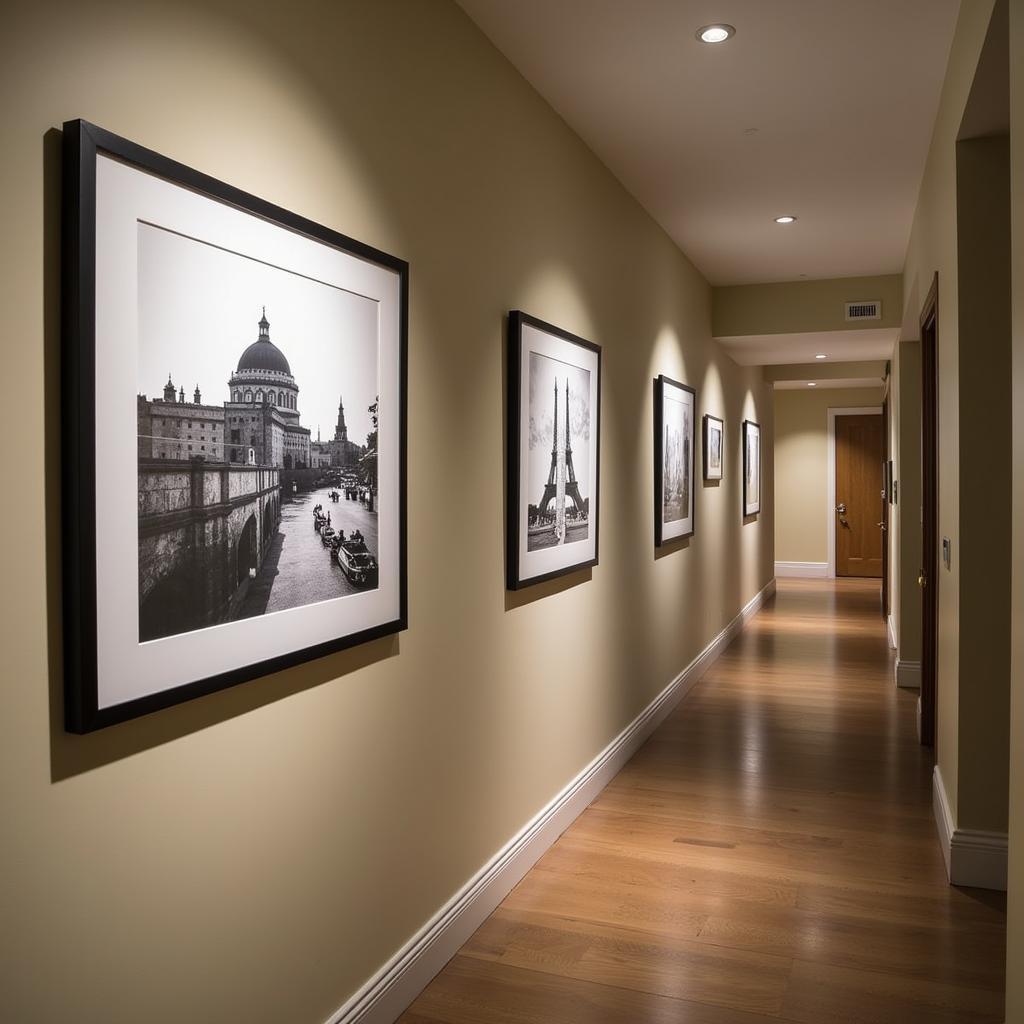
(812, 384)
(715, 33)
(821, 355)
(786, 218)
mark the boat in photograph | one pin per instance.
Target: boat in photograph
(357, 563)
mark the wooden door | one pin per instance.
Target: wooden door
(859, 451)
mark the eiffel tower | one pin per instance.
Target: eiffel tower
(572, 488)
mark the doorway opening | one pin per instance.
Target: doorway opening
(855, 450)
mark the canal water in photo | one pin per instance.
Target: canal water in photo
(298, 568)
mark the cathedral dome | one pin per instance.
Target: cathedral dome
(263, 354)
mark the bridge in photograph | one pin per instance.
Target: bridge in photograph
(204, 530)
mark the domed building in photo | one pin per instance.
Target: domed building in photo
(262, 412)
(259, 424)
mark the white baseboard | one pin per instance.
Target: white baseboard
(383, 997)
(973, 857)
(891, 626)
(943, 818)
(908, 674)
(802, 570)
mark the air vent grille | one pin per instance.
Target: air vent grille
(871, 310)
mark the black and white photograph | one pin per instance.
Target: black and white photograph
(751, 468)
(249, 405)
(553, 455)
(674, 459)
(714, 447)
(303, 524)
(559, 422)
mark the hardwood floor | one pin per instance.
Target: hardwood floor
(768, 855)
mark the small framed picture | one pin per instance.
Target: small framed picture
(751, 468)
(213, 534)
(674, 460)
(554, 434)
(714, 447)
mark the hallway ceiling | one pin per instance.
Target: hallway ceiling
(845, 383)
(780, 349)
(842, 94)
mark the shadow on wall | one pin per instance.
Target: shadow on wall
(539, 591)
(71, 754)
(670, 547)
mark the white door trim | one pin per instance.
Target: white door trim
(830, 511)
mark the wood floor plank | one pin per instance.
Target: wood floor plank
(769, 854)
(824, 993)
(470, 991)
(665, 965)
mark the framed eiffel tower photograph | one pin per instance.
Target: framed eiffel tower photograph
(674, 418)
(553, 451)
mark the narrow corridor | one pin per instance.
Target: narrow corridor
(769, 855)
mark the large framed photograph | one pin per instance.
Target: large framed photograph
(674, 459)
(554, 433)
(714, 447)
(751, 468)
(234, 434)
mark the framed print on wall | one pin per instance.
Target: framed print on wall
(554, 434)
(213, 536)
(674, 459)
(714, 447)
(751, 468)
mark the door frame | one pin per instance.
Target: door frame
(830, 511)
(886, 526)
(928, 700)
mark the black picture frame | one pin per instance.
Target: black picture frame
(706, 446)
(83, 143)
(661, 538)
(517, 576)
(751, 508)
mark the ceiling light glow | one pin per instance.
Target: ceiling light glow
(812, 384)
(821, 355)
(715, 33)
(786, 218)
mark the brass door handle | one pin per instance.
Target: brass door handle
(841, 508)
(922, 580)
(882, 526)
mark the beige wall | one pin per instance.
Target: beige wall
(1015, 907)
(905, 520)
(983, 286)
(932, 248)
(801, 467)
(794, 307)
(255, 855)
